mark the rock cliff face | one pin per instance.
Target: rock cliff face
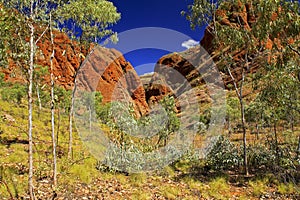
(177, 73)
(240, 15)
(114, 77)
(107, 71)
(67, 58)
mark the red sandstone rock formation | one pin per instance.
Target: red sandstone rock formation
(109, 69)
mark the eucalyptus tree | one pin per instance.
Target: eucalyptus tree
(39, 78)
(172, 124)
(93, 19)
(33, 12)
(86, 21)
(232, 38)
(52, 101)
(12, 44)
(270, 20)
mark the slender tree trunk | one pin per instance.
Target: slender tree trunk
(58, 125)
(276, 143)
(70, 152)
(298, 150)
(229, 125)
(52, 106)
(257, 131)
(90, 118)
(244, 137)
(39, 98)
(239, 93)
(30, 84)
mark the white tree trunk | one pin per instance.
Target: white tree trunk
(30, 83)
(52, 107)
(239, 93)
(70, 153)
(39, 97)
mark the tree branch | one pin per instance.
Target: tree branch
(234, 83)
(41, 35)
(294, 50)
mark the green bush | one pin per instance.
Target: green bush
(14, 94)
(224, 155)
(2, 82)
(260, 156)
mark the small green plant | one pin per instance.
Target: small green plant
(183, 165)
(167, 171)
(2, 82)
(259, 187)
(170, 192)
(84, 171)
(138, 179)
(14, 94)
(140, 195)
(224, 155)
(286, 189)
(219, 188)
(173, 123)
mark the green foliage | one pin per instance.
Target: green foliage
(103, 112)
(224, 155)
(62, 98)
(2, 82)
(173, 123)
(14, 93)
(13, 32)
(93, 18)
(201, 12)
(279, 99)
(287, 188)
(286, 23)
(259, 187)
(233, 111)
(260, 156)
(39, 73)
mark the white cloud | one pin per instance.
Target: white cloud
(190, 43)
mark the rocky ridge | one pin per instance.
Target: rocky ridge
(108, 66)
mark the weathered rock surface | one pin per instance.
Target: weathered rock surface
(178, 73)
(107, 71)
(67, 58)
(240, 15)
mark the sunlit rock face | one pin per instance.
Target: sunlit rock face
(104, 69)
(107, 71)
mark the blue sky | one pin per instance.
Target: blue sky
(153, 13)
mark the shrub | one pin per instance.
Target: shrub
(138, 179)
(170, 192)
(259, 187)
(14, 94)
(217, 188)
(2, 82)
(224, 155)
(259, 156)
(286, 189)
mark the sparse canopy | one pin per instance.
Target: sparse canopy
(88, 20)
